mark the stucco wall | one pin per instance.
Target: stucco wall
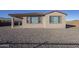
(61, 25)
(26, 25)
(45, 22)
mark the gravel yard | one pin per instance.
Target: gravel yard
(64, 36)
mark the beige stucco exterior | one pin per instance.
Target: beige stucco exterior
(61, 25)
(45, 22)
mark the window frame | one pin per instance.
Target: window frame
(29, 21)
(59, 20)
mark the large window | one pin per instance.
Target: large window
(55, 19)
(33, 20)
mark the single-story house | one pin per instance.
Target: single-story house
(53, 19)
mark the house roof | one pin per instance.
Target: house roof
(26, 14)
(56, 11)
(33, 14)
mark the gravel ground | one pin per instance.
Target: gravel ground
(67, 36)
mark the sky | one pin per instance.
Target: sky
(71, 14)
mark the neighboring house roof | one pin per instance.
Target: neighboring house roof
(33, 14)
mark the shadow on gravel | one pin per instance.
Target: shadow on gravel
(35, 45)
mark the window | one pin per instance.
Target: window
(55, 19)
(33, 20)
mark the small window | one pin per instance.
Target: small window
(55, 19)
(33, 20)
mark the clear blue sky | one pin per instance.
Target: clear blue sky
(72, 14)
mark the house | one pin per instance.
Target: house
(53, 19)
